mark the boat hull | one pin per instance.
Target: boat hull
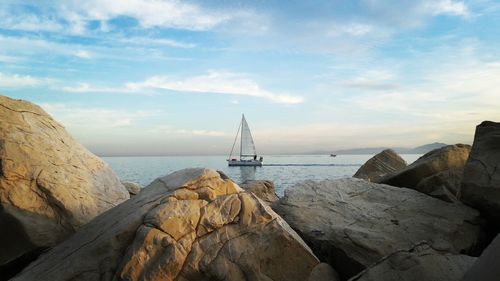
(244, 163)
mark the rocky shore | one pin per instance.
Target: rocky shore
(64, 215)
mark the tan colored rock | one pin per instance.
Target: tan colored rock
(50, 185)
(433, 167)
(351, 223)
(132, 187)
(175, 230)
(381, 165)
(264, 189)
(417, 264)
(481, 183)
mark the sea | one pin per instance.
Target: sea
(284, 170)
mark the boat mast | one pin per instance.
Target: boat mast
(241, 137)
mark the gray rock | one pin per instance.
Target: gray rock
(132, 187)
(481, 183)
(352, 223)
(381, 165)
(264, 189)
(486, 267)
(444, 185)
(50, 185)
(419, 263)
(190, 225)
(429, 173)
(323, 272)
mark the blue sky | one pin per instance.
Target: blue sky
(173, 77)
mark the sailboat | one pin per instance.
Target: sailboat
(248, 154)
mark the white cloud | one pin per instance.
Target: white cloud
(28, 22)
(168, 13)
(447, 7)
(20, 81)
(83, 54)
(157, 42)
(215, 82)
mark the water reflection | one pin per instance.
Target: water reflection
(247, 173)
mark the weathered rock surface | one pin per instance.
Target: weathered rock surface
(352, 223)
(419, 263)
(486, 267)
(481, 183)
(429, 173)
(323, 272)
(190, 225)
(132, 187)
(264, 189)
(50, 185)
(381, 165)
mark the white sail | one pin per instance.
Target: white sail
(247, 145)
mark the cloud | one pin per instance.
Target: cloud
(20, 81)
(447, 7)
(214, 82)
(157, 42)
(217, 83)
(83, 54)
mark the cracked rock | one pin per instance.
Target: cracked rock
(50, 185)
(352, 223)
(191, 225)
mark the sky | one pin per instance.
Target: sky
(154, 77)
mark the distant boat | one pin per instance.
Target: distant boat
(333, 155)
(248, 154)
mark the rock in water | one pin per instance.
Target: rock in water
(190, 225)
(264, 189)
(431, 168)
(132, 187)
(352, 223)
(385, 163)
(50, 185)
(481, 183)
(419, 263)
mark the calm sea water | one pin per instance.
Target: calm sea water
(145, 169)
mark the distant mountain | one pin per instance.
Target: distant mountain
(374, 150)
(425, 148)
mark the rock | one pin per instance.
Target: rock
(486, 267)
(352, 223)
(190, 225)
(384, 163)
(443, 185)
(323, 272)
(50, 185)
(419, 263)
(263, 189)
(451, 157)
(481, 183)
(132, 187)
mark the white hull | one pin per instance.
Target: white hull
(244, 163)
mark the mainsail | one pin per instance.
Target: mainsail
(247, 146)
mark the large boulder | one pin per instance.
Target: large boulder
(193, 224)
(50, 185)
(417, 264)
(264, 189)
(133, 188)
(432, 168)
(486, 267)
(352, 223)
(381, 165)
(481, 183)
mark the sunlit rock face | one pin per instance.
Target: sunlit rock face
(50, 185)
(381, 165)
(193, 224)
